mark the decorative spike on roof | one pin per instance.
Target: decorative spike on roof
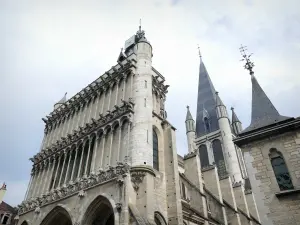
(207, 97)
(188, 114)
(63, 100)
(218, 100)
(263, 111)
(234, 118)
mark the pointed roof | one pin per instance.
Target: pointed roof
(121, 56)
(63, 100)
(218, 100)
(234, 118)
(188, 114)
(206, 103)
(263, 111)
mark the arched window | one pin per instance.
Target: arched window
(206, 124)
(159, 219)
(155, 151)
(183, 190)
(203, 156)
(219, 157)
(280, 170)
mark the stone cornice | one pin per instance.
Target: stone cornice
(79, 187)
(84, 132)
(89, 92)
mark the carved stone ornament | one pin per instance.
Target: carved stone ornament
(79, 187)
(137, 178)
(81, 193)
(37, 210)
(119, 206)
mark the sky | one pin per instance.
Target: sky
(48, 48)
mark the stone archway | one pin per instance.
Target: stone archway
(58, 216)
(99, 212)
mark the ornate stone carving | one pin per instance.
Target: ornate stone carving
(37, 210)
(137, 178)
(119, 206)
(81, 194)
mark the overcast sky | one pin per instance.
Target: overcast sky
(48, 48)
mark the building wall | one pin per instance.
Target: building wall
(275, 210)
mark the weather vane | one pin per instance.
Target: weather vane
(248, 65)
(199, 52)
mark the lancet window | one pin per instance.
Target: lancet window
(219, 157)
(155, 151)
(203, 156)
(280, 169)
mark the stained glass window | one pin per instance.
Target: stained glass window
(155, 151)
(280, 170)
(203, 156)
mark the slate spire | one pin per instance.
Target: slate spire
(263, 111)
(206, 103)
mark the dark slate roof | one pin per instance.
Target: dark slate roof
(234, 116)
(7, 208)
(263, 111)
(188, 114)
(206, 102)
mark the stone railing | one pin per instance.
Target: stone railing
(89, 128)
(78, 187)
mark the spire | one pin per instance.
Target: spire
(218, 100)
(263, 111)
(236, 123)
(188, 114)
(206, 103)
(61, 102)
(234, 116)
(121, 56)
(189, 121)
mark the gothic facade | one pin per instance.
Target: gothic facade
(109, 157)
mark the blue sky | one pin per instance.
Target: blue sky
(48, 48)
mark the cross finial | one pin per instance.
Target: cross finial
(248, 65)
(199, 52)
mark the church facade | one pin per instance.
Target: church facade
(109, 156)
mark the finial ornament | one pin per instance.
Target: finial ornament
(232, 108)
(187, 107)
(199, 52)
(248, 65)
(140, 33)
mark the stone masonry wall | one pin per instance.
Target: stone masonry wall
(277, 210)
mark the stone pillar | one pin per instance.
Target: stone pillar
(228, 195)
(87, 159)
(212, 184)
(172, 176)
(74, 164)
(95, 153)
(29, 185)
(36, 186)
(241, 201)
(192, 170)
(68, 166)
(62, 169)
(80, 164)
(102, 149)
(57, 168)
(51, 174)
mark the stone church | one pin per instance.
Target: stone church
(109, 155)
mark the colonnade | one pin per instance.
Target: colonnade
(104, 148)
(100, 103)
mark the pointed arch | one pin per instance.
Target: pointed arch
(100, 211)
(58, 215)
(219, 157)
(203, 154)
(155, 151)
(24, 223)
(159, 219)
(280, 170)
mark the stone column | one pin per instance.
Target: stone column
(80, 164)
(87, 159)
(97, 103)
(124, 85)
(102, 149)
(39, 170)
(109, 97)
(43, 173)
(57, 168)
(102, 108)
(95, 153)
(62, 168)
(67, 173)
(110, 146)
(119, 143)
(117, 92)
(51, 173)
(47, 175)
(74, 164)
(29, 185)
